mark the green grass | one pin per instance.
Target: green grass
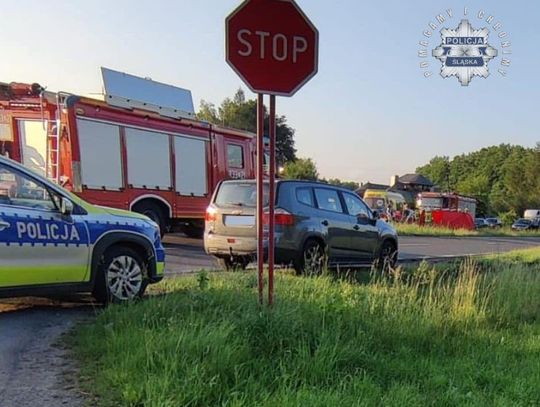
(524, 256)
(458, 335)
(416, 230)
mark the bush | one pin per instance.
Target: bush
(507, 218)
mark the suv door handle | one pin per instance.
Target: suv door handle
(4, 225)
(325, 222)
(356, 227)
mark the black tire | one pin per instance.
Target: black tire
(121, 276)
(194, 231)
(225, 263)
(312, 259)
(154, 212)
(388, 255)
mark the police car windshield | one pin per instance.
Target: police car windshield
(17, 189)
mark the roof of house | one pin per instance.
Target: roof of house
(416, 179)
(369, 185)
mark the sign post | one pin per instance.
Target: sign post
(271, 198)
(274, 48)
(260, 194)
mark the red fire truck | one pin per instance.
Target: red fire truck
(448, 209)
(124, 153)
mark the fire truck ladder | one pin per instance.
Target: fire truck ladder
(53, 147)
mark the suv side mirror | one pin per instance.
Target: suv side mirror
(362, 218)
(66, 207)
(375, 214)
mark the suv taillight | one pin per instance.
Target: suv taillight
(211, 214)
(281, 216)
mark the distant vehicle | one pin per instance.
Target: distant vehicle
(531, 213)
(379, 200)
(494, 223)
(52, 242)
(525, 224)
(140, 155)
(480, 223)
(313, 221)
(448, 209)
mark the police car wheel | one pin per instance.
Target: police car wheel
(122, 276)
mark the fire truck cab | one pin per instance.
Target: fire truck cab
(139, 148)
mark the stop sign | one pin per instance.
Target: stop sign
(272, 46)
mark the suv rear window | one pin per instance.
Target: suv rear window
(240, 194)
(304, 196)
(328, 199)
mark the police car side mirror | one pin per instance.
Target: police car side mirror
(66, 207)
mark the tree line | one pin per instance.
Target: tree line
(504, 179)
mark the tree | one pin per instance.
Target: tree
(208, 112)
(240, 113)
(302, 168)
(476, 186)
(438, 171)
(352, 185)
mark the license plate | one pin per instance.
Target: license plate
(239, 220)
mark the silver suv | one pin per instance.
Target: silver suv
(316, 224)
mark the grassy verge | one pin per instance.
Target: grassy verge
(415, 230)
(466, 334)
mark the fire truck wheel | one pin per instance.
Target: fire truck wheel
(121, 277)
(154, 212)
(195, 231)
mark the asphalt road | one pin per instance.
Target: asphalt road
(185, 254)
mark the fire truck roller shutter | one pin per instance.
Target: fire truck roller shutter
(191, 176)
(148, 159)
(101, 162)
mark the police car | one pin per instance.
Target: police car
(52, 242)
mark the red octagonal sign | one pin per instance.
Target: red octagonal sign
(272, 46)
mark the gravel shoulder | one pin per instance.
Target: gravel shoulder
(35, 367)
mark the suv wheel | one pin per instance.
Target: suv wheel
(388, 257)
(121, 276)
(312, 258)
(238, 263)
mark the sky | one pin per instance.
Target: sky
(368, 114)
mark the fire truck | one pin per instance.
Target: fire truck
(448, 209)
(137, 147)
